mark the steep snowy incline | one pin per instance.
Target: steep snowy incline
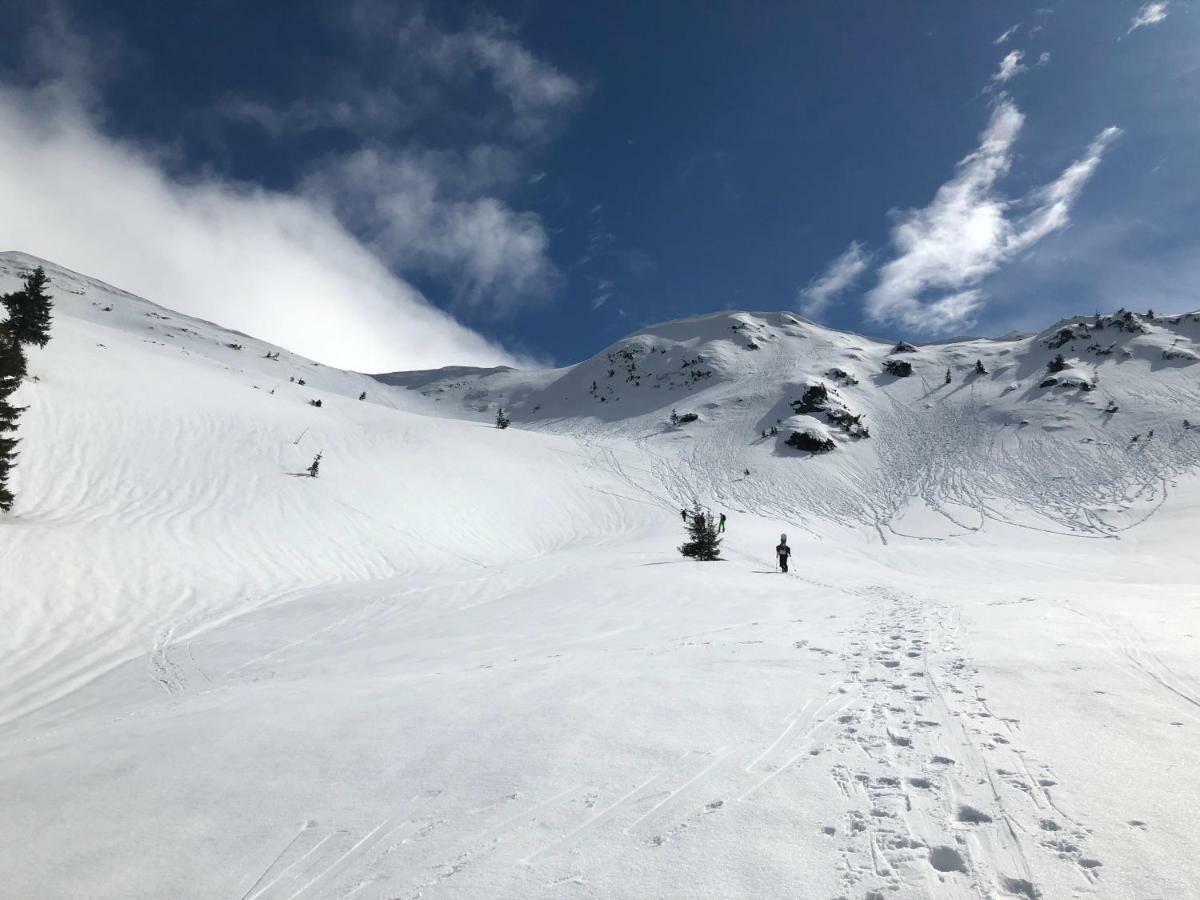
(156, 489)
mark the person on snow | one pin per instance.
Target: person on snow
(783, 552)
(721, 524)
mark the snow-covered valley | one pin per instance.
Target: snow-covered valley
(470, 662)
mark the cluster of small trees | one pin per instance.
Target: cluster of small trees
(28, 323)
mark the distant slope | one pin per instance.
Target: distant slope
(1066, 450)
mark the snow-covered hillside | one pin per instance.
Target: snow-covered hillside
(467, 662)
(1084, 450)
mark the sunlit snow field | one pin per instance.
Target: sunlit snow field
(470, 662)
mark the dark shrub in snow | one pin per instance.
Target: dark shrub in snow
(815, 399)
(901, 368)
(803, 440)
(851, 424)
(1057, 364)
(904, 347)
(841, 375)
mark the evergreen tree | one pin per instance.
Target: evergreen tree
(703, 541)
(979, 369)
(1057, 364)
(315, 468)
(502, 421)
(12, 370)
(948, 378)
(29, 310)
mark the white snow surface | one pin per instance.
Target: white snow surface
(470, 662)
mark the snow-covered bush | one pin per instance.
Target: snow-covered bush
(841, 375)
(808, 434)
(904, 347)
(901, 368)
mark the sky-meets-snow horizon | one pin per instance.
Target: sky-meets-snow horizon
(528, 182)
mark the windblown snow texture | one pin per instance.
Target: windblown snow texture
(470, 662)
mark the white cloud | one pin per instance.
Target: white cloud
(840, 274)
(945, 250)
(1052, 203)
(408, 69)
(1007, 34)
(271, 264)
(1150, 14)
(1044, 59)
(1010, 67)
(435, 212)
(422, 211)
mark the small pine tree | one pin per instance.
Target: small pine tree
(703, 542)
(12, 370)
(502, 421)
(979, 369)
(948, 378)
(674, 417)
(29, 310)
(315, 468)
(1057, 364)
(8, 447)
(362, 396)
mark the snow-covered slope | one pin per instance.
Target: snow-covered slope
(467, 662)
(1069, 450)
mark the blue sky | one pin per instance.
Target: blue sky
(386, 185)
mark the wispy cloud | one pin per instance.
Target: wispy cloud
(1007, 34)
(1052, 203)
(424, 212)
(838, 276)
(407, 70)
(1010, 67)
(1150, 14)
(945, 250)
(270, 263)
(445, 212)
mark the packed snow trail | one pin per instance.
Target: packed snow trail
(467, 662)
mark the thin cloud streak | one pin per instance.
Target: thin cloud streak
(1150, 14)
(1007, 34)
(839, 276)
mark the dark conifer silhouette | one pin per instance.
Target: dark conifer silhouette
(315, 468)
(703, 541)
(29, 311)
(12, 370)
